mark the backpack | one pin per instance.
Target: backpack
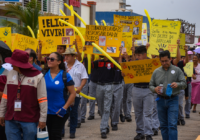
(65, 90)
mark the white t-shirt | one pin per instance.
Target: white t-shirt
(77, 72)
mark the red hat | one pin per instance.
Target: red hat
(19, 59)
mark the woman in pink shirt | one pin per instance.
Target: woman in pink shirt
(196, 84)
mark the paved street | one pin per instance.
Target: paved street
(126, 131)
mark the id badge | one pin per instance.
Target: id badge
(17, 105)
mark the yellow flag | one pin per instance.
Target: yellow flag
(188, 69)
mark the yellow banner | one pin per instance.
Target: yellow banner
(182, 43)
(131, 24)
(144, 37)
(12, 41)
(188, 69)
(164, 35)
(78, 39)
(127, 43)
(53, 33)
(5, 36)
(23, 42)
(139, 71)
(109, 38)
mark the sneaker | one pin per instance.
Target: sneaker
(78, 125)
(128, 119)
(82, 120)
(91, 118)
(187, 116)
(122, 118)
(114, 128)
(72, 135)
(155, 131)
(139, 137)
(178, 123)
(103, 136)
(182, 122)
(149, 138)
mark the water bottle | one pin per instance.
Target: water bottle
(161, 90)
(42, 135)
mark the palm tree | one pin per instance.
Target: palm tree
(28, 16)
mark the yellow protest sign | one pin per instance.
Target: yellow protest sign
(78, 39)
(139, 71)
(5, 36)
(127, 42)
(188, 69)
(164, 35)
(182, 43)
(53, 33)
(12, 41)
(131, 24)
(109, 38)
(23, 42)
(144, 37)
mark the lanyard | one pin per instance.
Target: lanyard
(19, 87)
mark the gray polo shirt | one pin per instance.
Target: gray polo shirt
(165, 77)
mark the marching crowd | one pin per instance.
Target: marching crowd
(44, 91)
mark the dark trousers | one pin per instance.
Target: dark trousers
(55, 125)
(74, 116)
(2, 133)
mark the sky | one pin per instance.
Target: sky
(188, 10)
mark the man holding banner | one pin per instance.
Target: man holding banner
(170, 77)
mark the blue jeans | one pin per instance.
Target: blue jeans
(74, 116)
(13, 130)
(168, 116)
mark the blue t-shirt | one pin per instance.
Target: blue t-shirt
(55, 91)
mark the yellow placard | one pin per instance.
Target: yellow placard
(131, 24)
(144, 37)
(139, 71)
(182, 43)
(188, 69)
(109, 38)
(78, 39)
(164, 35)
(12, 41)
(53, 33)
(5, 36)
(23, 42)
(127, 42)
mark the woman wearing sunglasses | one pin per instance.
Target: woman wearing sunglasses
(57, 107)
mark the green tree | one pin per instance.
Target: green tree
(28, 16)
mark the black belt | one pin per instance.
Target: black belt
(104, 83)
(141, 86)
(116, 83)
(166, 97)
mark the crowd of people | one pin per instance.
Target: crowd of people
(44, 91)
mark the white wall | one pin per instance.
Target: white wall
(105, 5)
(85, 14)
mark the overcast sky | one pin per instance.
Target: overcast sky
(188, 10)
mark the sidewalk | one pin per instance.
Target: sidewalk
(126, 131)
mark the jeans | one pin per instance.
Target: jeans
(168, 110)
(14, 129)
(74, 116)
(55, 125)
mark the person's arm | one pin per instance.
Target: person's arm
(178, 54)
(181, 82)
(42, 100)
(186, 54)
(3, 107)
(152, 84)
(133, 49)
(39, 55)
(72, 96)
(83, 82)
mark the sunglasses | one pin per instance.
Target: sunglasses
(51, 59)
